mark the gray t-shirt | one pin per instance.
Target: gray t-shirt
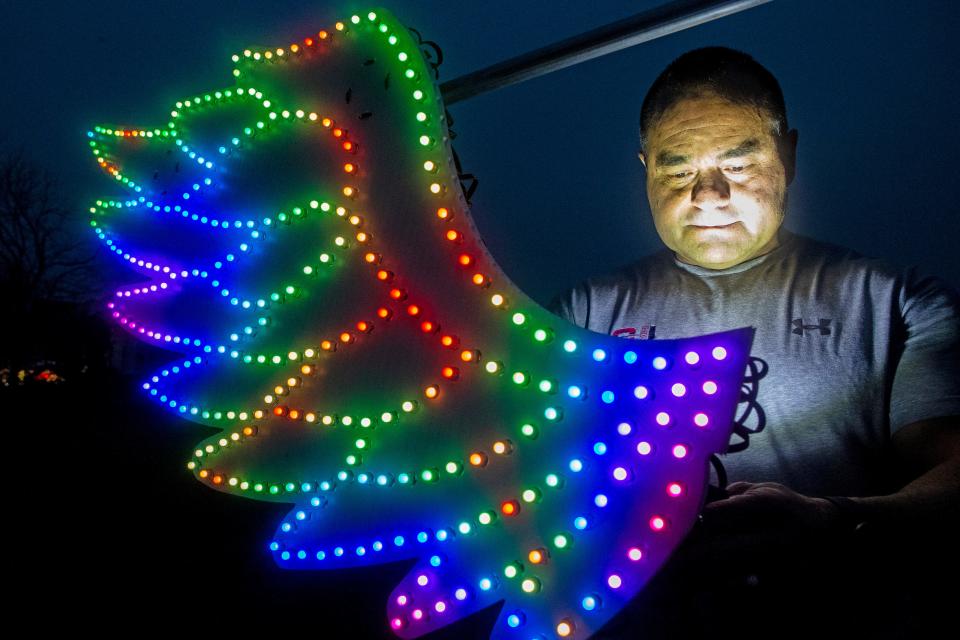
(851, 349)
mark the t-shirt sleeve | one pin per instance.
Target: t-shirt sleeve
(571, 305)
(926, 383)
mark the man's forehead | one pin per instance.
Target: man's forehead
(709, 125)
(684, 153)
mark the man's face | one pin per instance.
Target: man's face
(717, 181)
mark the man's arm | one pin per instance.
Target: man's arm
(929, 452)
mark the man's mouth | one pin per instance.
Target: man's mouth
(714, 226)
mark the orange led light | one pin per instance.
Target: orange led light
(510, 508)
(426, 326)
(345, 337)
(467, 356)
(536, 556)
(362, 237)
(278, 411)
(398, 294)
(465, 259)
(364, 326)
(431, 392)
(217, 479)
(448, 341)
(383, 312)
(347, 145)
(413, 309)
(308, 42)
(326, 345)
(349, 167)
(248, 431)
(323, 35)
(327, 122)
(479, 279)
(451, 373)
(442, 213)
(354, 220)
(383, 274)
(348, 191)
(371, 257)
(453, 235)
(477, 459)
(294, 414)
(337, 132)
(306, 369)
(203, 473)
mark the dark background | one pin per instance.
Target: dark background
(110, 526)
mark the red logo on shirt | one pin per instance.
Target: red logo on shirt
(646, 332)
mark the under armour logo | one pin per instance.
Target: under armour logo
(823, 326)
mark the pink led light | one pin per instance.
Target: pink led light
(417, 614)
(674, 489)
(397, 623)
(719, 353)
(402, 600)
(679, 451)
(709, 387)
(441, 606)
(701, 419)
(614, 581)
(692, 357)
(657, 523)
(643, 448)
(634, 554)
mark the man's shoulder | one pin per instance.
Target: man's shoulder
(812, 252)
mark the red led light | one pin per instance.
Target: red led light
(337, 132)
(413, 309)
(427, 327)
(449, 341)
(363, 326)
(674, 489)
(465, 260)
(383, 312)
(451, 373)
(398, 294)
(383, 274)
(510, 508)
(657, 523)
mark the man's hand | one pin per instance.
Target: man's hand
(766, 507)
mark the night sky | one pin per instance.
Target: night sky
(871, 87)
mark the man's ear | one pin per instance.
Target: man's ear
(643, 159)
(787, 149)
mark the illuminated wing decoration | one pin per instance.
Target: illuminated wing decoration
(309, 254)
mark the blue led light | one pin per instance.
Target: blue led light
(580, 523)
(599, 355)
(630, 357)
(607, 396)
(599, 448)
(398, 540)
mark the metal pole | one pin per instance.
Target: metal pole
(648, 25)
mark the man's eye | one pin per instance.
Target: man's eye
(736, 169)
(682, 174)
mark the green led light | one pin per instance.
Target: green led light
(569, 346)
(529, 430)
(519, 377)
(519, 318)
(546, 386)
(561, 541)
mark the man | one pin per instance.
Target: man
(857, 363)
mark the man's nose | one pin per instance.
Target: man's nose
(711, 190)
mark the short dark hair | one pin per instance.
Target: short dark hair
(730, 74)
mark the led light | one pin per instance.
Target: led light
(576, 465)
(561, 541)
(643, 448)
(530, 585)
(518, 318)
(678, 389)
(599, 355)
(674, 489)
(614, 581)
(701, 419)
(660, 363)
(663, 418)
(641, 392)
(692, 357)
(574, 391)
(719, 353)
(634, 554)
(679, 451)
(565, 628)
(589, 603)
(709, 387)
(624, 428)
(569, 346)
(657, 523)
